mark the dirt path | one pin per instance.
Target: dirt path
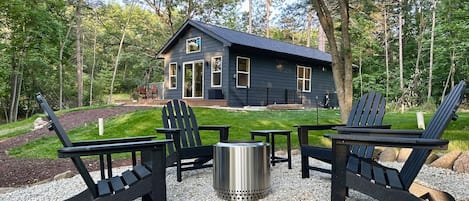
(18, 172)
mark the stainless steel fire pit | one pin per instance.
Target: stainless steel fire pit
(241, 170)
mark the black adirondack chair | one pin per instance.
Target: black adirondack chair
(180, 124)
(384, 183)
(368, 111)
(146, 180)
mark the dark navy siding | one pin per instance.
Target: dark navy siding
(273, 77)
(273, 80)
(210, 48)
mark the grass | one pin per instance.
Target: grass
(17, 128)
(26, 125)
(144, 122)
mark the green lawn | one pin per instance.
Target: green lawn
(142, 123)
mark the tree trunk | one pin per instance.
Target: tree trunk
(401, 59)
(360, 74)
(267, 18)
(250, 16)
(321, 39)
(419, 41)
(61, 68)
(94, 61)
(386, 48)
(432, 39)
(346, 51)
(118, 54)
(170, 16)
(450, 77)
(78, 55)
(341, 60)
(308, 27)
(16, 83)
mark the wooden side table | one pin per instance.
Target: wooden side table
(270, 138)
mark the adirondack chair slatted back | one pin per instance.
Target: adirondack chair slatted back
(444, 114)
(367, 111)
(55, 125)
(176, 114)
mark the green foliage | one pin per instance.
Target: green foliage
(17, 128)
(31, 34)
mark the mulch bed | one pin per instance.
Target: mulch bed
(18, 172)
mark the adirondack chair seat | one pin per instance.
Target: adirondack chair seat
(146, 180)
(368, 112)
(113, 188)
(370, 177)
(180, 125)
(384, 183)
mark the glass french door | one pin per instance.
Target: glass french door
(193, 79)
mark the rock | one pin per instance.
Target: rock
(431, 158)
(65, 175)
(461, 164)
(280, 153)
(403, 154)
(388, 155)
(39, 123)
(377, 152)
(446, 161)
(7, 190)
(43, 181)
(295, 151)
(285, 107)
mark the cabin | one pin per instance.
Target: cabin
(220, 66)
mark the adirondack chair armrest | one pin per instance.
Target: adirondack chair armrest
(339, 128)
(319, 127)
(380, 132)
(112, 141)
(350, 139)
(222, 129)
(304, 129)
(91, 150)
(171, 133)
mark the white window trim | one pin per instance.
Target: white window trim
(220, 71)
(184, 78)
(304, 77)
(242, 72)
(200, 48)
(175, 75)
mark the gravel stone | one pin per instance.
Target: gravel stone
(286, 185)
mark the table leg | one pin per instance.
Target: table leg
(272, 145)
(289, 150)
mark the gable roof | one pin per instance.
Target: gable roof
(230, 37)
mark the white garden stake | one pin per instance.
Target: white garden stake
(101, 126)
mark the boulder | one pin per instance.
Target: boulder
(389, 154)
(403, 154)
(280, 153)
(64, 175)
(7, 189)
(39, 123)
(461, 164)
(285, 107)
(377, 152)
(295, 151)
(446, 161)
(431, 158)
